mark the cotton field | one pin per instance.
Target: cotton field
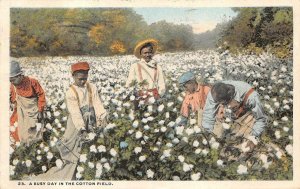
(149, 143)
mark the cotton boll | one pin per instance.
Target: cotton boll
(244, 148)
(196, 143)
(193, 121)
(161, 122)
(189, 131)
(44, 168)
(160, 108)
(82, 158)
(289, 149)
(279, 154)
(150, 173)
(113, 152)
(181, 158)
(196, 176)
(163, 129)
(59, 163)
(167, 115)
(220, 163)
(277, 134)
(151, 100)
(179, 130)
(204, 152)
(28, 163)
(226, 126)
(135, 124)
(242, 170)
(107, 166)
(142, 158)
(137, 150)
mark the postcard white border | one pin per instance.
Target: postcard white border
(4, 87)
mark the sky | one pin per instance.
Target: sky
(201, 19)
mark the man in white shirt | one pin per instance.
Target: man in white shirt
(82, 99)
(85, 113)
(147, 74)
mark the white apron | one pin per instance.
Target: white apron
(27, 111)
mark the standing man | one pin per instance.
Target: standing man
(28, 100)
(195, 97)
(241, 105)
(147, 72)
(86, 112)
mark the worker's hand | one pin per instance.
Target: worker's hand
(32, 130)
(11, 107)
(83, 134)
(40, 117)
(251, 145)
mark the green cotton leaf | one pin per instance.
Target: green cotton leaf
(257, 20)
(191, 158)
(100, 141)
(88, 174)
(131, 166)
(172, 158)
(213, 173)
(121, 172)
(178, 167)
(143, 83)
(181, 145)
(208, 161)
(126, 155)
(214, 154)
(283, 16)
(131, 143)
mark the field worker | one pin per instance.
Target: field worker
(195, 97)
(85, 113)
(241, 104)
(28, 101)
(147, 70)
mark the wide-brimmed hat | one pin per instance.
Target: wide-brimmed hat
(80, 66)
(137, 49)
(185, 77)
(15, 69)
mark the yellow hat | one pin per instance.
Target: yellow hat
(137, 49)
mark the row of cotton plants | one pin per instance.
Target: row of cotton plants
(150, 143)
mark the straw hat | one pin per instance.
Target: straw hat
(137, 49)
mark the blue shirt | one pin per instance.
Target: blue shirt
(253, 103)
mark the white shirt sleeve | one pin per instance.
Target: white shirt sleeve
(209, 113)
(74, 110)
(131, 75)
(161, 81)
(98, 106)
(258, 113)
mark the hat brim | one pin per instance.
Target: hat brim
(137, 49)
(15, 75)
(186, 81)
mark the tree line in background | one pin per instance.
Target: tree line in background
(110, 31)
(89, 32)
(260, 29)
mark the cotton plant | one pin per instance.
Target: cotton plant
(154, 142)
